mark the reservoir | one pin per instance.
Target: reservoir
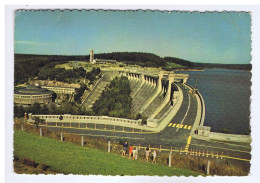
(227, 98)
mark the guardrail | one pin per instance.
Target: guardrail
(67, 118)
(203, 111)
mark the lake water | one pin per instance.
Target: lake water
(227, 98)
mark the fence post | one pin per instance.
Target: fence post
(22, 127)
(170, 159)
(82, 141)
(41, 132)
(61, 136)
(108, 148)
(208, 165)
(136, 154)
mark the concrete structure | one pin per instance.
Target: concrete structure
(156, 95)
(152, 122)
(61, 90)
(163, 109)
(54, 83)
(203, 131)
(68, 118)
(31, 94)
(104, 61)
(91, 56)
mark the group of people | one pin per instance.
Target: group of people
(133, 152)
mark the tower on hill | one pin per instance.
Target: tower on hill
(91, 56)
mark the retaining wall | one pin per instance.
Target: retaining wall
(67, 118)
(229, 137)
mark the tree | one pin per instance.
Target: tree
(115, 100)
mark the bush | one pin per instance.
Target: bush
(44, 167)
(29, 162)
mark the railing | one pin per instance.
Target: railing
(66, 118)
(202, 119)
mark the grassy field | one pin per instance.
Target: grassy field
(111, 67)
(69, 158)
(173, 65)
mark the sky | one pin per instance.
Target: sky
(211, 37)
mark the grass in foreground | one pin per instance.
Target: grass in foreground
(70, 158)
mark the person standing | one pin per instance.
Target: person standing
(134, 152)
(125, 145)
(147, 152)
(154, 156)
(130, 151)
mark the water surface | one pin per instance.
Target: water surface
(227, 98)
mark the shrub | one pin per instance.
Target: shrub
(29, 162)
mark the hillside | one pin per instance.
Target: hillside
(28, 65)
(69, 158)
(138, 58)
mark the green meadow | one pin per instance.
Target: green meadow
(68, 158)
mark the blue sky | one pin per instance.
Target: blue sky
(199, 37)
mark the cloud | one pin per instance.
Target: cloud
(26, 42)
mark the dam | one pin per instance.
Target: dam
(175, 111)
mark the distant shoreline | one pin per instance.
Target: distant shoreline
(248, 70)
(189, 70)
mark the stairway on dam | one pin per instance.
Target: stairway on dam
(97, 91)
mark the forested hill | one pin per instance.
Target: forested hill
(139, 58)
(196, 65)
(28, 65)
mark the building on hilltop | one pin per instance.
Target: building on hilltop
(104, 61)
(99, 61)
